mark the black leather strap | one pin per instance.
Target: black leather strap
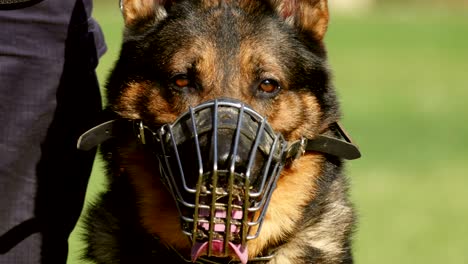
(102, 132)
(17, 234)
(339, 145)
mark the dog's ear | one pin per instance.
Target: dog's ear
(135, 11)
(308, 15)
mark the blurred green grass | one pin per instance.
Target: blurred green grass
(402, 77)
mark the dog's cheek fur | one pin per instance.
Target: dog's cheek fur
(325, 239)
(296, 187)
(141, 100)
(302, 112)
(156, 207)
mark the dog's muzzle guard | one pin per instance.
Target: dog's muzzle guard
(221, 161)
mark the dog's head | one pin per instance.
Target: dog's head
(186, 62)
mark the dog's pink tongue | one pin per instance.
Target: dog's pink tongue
(199, 248)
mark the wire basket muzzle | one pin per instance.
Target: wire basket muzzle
(221, 161)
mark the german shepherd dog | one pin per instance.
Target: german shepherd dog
(223, 144)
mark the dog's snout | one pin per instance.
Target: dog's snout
(229, 153)
(222, 145)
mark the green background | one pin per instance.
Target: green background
(402, 75)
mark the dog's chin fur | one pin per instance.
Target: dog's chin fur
(226, 49)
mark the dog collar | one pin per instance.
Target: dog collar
(334, 141)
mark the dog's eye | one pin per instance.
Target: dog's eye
(181, 81)
(269, 86)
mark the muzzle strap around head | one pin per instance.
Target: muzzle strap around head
(339, 145)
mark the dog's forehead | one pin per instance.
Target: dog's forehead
(244, 5)
(217, 18)
(222, 33)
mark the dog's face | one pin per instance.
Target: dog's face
(266, 54)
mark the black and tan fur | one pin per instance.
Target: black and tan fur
(225, 48)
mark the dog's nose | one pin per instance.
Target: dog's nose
(232, 147)
(236, 156)
(230, 152)
(224, 144)
(230, 144)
